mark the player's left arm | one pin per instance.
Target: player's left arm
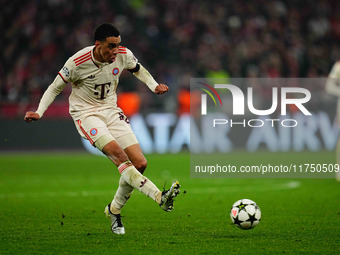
(143, 75)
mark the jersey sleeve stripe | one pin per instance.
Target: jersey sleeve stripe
(123, 49)
(84, 55)
(83, 61)
(62, 77)
(84, 132)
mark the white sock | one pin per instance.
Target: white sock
(122, 195)
(135, 179)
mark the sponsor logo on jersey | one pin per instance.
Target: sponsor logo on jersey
(93, 131)
(115, 71)
(91, 76)
(66, 71)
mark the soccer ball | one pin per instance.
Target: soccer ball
(245, 214)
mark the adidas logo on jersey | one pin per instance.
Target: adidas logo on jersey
(91, 77)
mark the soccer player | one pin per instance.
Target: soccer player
(94, 74)
(333, 87)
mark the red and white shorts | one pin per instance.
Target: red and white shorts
(104, 126)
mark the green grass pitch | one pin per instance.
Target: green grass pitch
(53, 204)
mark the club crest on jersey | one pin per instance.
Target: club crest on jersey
(93, 131)
(66, 71)
(115, 71)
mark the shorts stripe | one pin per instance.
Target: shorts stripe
(82, 129)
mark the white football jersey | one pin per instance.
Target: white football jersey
(93, 83)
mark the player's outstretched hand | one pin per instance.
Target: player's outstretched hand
(161, 89)
(29, 116)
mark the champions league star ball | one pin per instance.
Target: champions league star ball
(245, 214)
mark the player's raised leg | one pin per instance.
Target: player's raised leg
(132, 177)
(135, 154)
(129, 173)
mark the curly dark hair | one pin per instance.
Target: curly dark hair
(105, 30)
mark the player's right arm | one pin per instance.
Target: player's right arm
(29, 116)
(50, 94)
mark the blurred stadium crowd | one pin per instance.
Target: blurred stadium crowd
(174, 39)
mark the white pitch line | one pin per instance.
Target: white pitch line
(57, 194)
(206, 190)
